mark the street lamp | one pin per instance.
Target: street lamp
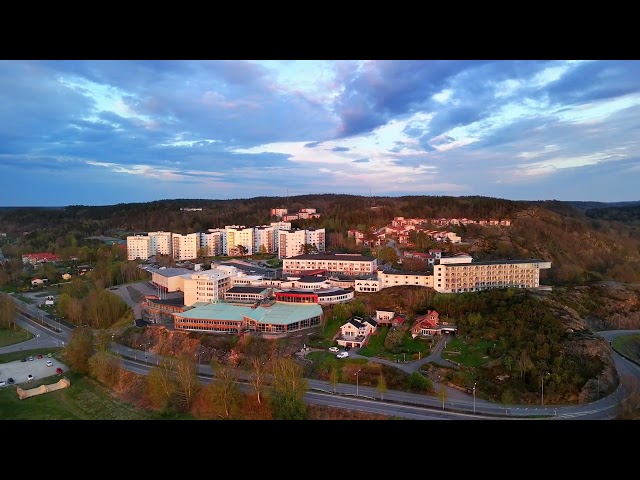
(145, 350)
(542, 383)
(199, 355)
(356, 374)
(474, 398)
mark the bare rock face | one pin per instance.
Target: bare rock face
(604, 305)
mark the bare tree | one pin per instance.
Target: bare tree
(225, 391)
(162, 383)
(187, 381)
(382, 386)
(258, 375)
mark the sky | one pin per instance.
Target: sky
(104, 132)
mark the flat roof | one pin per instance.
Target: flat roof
(279, 313)
(246, 290)
(496, 262)
(170, 272)
(407, 272)
(332, 256)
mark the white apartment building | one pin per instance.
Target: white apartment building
(341, 263)
(185, 247)
(473, 277)
(138, 246)
(160, 243)
(236, 235)
(264, 239)
(212, 241)
(291, 242)
(393, 279)
(206, 286)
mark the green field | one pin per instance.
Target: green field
(467, 354)
(11, 337)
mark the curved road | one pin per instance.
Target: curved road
(367, 399)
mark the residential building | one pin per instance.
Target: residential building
(356, 331)
(477, 276)
(334, 263)
(384, 317)
(138, 247)
(35, 258)
(367, 284)
(291, 243)
(395, 278)
(264, 239)
(430, 325)
(160, 243)
(238, 235)
(185, 247)
(212, 242)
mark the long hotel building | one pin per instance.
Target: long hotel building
(476, 276)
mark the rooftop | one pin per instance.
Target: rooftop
(169, 272)
(332, 256)
(280, 313)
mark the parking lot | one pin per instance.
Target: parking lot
(37, 367)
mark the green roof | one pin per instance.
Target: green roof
(280, 313)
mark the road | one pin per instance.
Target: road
(364, 398)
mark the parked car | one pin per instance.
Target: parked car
(334, 349)
(30, 359)
(23, 359)
(10, 381)
(39, 356)
(59, 371)
(2, 383)
(342, 355)
(49, 363)
(29, 377)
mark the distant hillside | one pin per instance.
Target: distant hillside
(583, 245)
(594, 205)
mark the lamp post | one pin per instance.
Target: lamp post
(199, 355)
(145, 350)
(113, 336)
(474, 398)
(356, 374)
(542, 384)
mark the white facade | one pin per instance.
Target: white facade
(212, 242)
(138, 246)
(238, 235)
(290, 242)
(473, 277)
(455, 259)
(341, 263)
(264, 239)
(185, 247)
(404, 278)
(160, 243)
(316, 237)
(207, 286)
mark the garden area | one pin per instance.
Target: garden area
(467, 352)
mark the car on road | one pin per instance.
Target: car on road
(30, 359)
(334, 349)
(49, 363)
(29, 377)
(59, 371)
(23, 359)
(342, 355)
(2, 383)
(10, 381)
(39, 356)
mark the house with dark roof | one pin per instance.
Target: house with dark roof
(356, 332)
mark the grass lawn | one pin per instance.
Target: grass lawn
(375, 346)
(629, 345)
(85, 399)
(327, 360)
(467, 354)
(11, 337)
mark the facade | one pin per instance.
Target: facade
(369, 284)
(212, 241)
(246, 294)
(325, 296)
(205, 286)
(334, 263)
(384, 317)
(356, 331)
(278, 318)
(185, 247)
(392, 279)
(138, 247)
(477, 276)
(264, 239)
(168, 280)
(236, 235)
(290, 242)
(157, 310)
(430, 325)
(160, 243)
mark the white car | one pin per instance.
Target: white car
(49, 363)
(2, 383)
(334, 349)
(342, 355)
